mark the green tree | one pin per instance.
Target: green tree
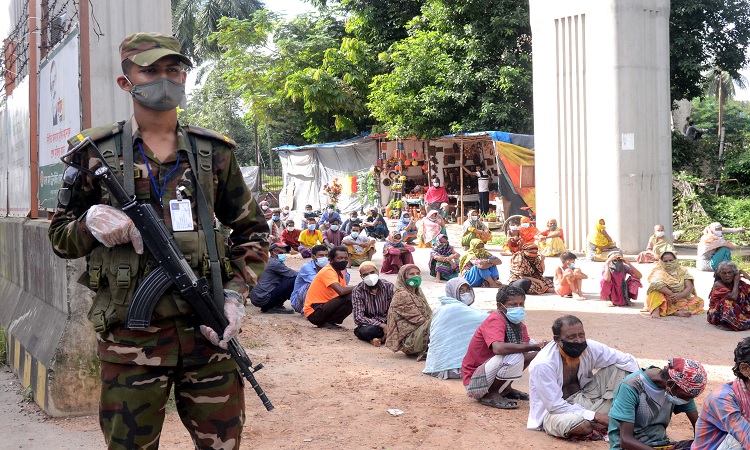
(706, 34)
(193, 21)
(465, 66)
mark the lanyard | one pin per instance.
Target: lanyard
(158, 191)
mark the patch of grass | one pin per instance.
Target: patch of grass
(3, 347)
(498, 239)
(687, 263)
(743, 262)
(28, 394)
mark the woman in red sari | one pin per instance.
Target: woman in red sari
(729, 301)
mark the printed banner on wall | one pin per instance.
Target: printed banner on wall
(59, 115)
(17, 129)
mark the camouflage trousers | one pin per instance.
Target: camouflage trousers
(209, 399)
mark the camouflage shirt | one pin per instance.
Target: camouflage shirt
(233, 205)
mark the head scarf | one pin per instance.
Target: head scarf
(474, 253)
(392, 242)
(523, 266)
(440, 249)
(402, 223)
(428, 228)
(401, 280)
(670, 275)
(597, 238)
(688, 374)
(709, 240)
(453, 286)
(527, 234)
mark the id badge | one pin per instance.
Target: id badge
(182, 215)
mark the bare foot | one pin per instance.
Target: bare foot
(578, 296)
(682, 313)
(375, 341)
(655, 314)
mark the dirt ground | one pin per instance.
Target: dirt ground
(332, 391)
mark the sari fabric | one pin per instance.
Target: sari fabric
(671, 275)
(622, 285)
(408, 313)
(723, 311)
(447, 270)
(393, 257)
(527, 234)
(474, 229)
(522, 266)
(428, 230)
(473, 253)
(597, 237)
(656, 246)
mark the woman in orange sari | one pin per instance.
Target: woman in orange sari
(672, 292)
(528, 231)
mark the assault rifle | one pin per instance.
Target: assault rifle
(173, 269)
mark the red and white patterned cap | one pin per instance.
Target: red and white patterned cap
(689, 375)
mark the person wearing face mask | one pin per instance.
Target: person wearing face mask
(309, 238)
(156, 156)
(396, 254)
(328, 215)
(370, 302)
(474, 228)
(551, 241)
(479, 267)
(657, 244)
(724, 420)
(346, 228)
(671, 290)
(329, 298)
(620, 280)
(408, 322)
(276, 284)
(599, 241)
(568, 278)
(435, 195)
(333, 236)
(729, 300)
(498, 353)
(483, 186)
(646, 401)
(407, 226)
(713, 248)
(566, 398)
(276, 226)
(527, 268)
(514, 241)
(444, 259)
(453, 324)
(306, 275)
(266, 208)
(286, 214)
(290, 236)
(429, 228)
(376, 225)
(360, 246)
(527, 230)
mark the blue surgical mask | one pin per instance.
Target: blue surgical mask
(515, 315)
(513, 228)
(572, 266)
(675, 400)
(322, 261)
(354, 235)
(474, 217)
(311, 227)
(281, 257)
(718, 233)
(334, 228)
(275, 218)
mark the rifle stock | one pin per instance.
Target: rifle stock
(173, 270)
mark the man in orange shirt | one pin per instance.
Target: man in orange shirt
(329, 299)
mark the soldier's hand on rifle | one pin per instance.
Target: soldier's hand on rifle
(111, 227)
(234, 310)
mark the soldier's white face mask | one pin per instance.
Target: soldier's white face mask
(162, 94)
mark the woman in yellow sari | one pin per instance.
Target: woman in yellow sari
(671, 291)
(599, 241)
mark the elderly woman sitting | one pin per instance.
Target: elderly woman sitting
(453, 324)
(443, 259)
(620, 280)
(407, 226)
(429, 228)
(551, 241)
(527, 267)
(409, 316)
(671, 291)
(657, 244)
(729, 301)
(474, 229)
(599, 241)
(713, 248)
(479, 267)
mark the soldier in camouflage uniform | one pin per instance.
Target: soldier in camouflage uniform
(139, 367)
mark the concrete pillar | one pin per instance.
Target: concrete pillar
(602, 117)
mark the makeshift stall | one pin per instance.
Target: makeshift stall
(327, 173)
(403, 168)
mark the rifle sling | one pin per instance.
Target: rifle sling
(127, 159)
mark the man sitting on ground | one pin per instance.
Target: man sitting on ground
(359, 245)
(376, 225)
(645, 401)
(309, 238)
(332, 236)
(568, 278)
(329, 299)
(346, 228)
(290, 236)
(724, 421)
(370, 302)
(276, 284)
(567, 399)
(306, 275)
(498, 353)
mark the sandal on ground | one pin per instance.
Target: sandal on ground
(515, 394)
(500, 403)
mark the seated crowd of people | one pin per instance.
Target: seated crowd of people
(578, 388)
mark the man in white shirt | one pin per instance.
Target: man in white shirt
(566, 398)
(483, 187)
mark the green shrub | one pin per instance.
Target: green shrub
(3, 347)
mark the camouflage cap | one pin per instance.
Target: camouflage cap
(144, 49)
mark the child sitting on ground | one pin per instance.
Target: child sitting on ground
(568, 278)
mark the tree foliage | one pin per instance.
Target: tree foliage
(465, 66)
(704, 35)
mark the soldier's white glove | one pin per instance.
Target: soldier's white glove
(111, 227)
(234, 311)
